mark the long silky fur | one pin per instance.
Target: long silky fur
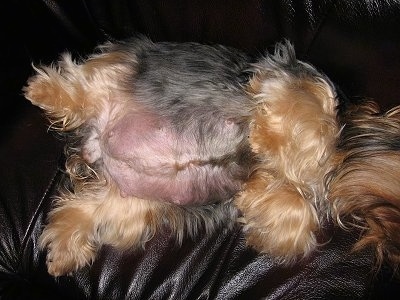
(364, 188)
(293, 131)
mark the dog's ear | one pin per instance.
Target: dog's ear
(365, 186)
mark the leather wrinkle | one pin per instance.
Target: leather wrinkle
(64, 19)
(319, 25)
(34, 217)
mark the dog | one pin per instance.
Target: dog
(319, 159)
(190, 137)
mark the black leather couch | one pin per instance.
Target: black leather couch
(355, 42)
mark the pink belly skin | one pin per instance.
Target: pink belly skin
(144, 155)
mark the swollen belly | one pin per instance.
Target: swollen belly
(194, 184)
(146, 158)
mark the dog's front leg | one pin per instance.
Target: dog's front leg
(81, 223)
(278, 221)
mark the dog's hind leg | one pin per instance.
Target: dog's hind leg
(71, 93)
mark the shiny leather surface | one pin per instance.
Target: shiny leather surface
(357, 43)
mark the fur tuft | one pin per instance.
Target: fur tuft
(293, 132)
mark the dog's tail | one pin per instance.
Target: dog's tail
(365, 186)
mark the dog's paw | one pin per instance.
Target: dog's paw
(286, 247)
(280, 224)
(64, 261)
(68, 249)
(43, 91)
(61, 102)
(65, 257)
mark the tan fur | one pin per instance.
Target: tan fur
(365, 186)
(69, 105)
(314, 164)
(81, 223)
(293, 132)
(70, 238)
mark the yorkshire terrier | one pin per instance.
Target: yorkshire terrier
(165, 135)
